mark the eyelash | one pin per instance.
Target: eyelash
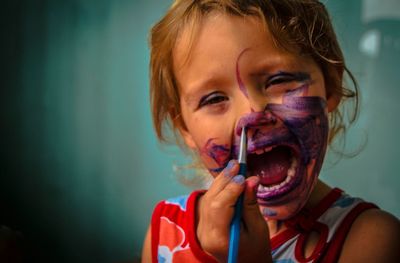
(281, 78)
(285, 77)
(212, 98)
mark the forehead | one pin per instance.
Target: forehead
(216, 28)
(215, 35)
(211, 50)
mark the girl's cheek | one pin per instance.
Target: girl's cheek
(215, 155)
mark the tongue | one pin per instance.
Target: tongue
(271, 167)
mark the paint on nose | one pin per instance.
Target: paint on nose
(255, 119)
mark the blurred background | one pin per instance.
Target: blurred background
(80, 167)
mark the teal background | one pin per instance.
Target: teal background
(81, 169)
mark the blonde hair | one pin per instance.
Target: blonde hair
(301, 26)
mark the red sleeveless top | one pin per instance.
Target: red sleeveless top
(174, 235)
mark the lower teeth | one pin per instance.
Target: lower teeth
(290, 174)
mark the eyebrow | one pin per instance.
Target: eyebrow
(296, 75)
(199, 88)
(273, 65)
(192, 97)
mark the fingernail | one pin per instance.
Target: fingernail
(238, 179)
(231, 164)
(253, 182)
(227, 170)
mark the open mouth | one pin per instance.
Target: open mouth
(277, 167)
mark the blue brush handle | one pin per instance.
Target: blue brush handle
(235, 224)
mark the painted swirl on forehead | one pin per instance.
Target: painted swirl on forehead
(242, 87)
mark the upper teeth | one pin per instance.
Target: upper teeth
(266, 149)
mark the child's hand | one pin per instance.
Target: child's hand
(215, 213)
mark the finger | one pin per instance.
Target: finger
(255, 228)
(250, 191)
(251, 210)
(227, 197)
(223, 178)
(219, 209)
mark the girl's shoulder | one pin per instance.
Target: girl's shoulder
(373, 237)
(173, 231)
(179, 203)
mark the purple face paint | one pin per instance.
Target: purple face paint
(286, 144)
(297, 132)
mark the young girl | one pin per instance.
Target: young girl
(274, 67)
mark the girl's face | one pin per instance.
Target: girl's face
(235, 76)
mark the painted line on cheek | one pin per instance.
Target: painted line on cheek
(219, 153)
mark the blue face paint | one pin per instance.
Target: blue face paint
(267, 212)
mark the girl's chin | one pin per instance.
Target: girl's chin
(286, 209)
(288, 199)
(281, 212)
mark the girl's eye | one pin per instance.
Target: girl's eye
(212, 98)
(278, 80)
(283, 78)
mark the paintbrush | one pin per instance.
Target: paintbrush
(235, 224)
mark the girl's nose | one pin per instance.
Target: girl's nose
(257, 103)
(253, 101)
(256, 119)
(253, 113)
